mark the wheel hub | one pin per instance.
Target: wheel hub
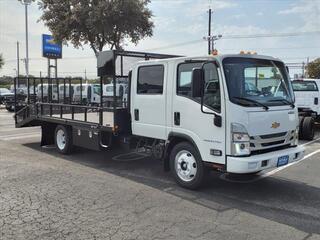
(61, 139)
(185, 166)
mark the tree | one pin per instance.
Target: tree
(98, 23)
(313, 69)
(1, 61)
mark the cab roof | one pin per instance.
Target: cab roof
(211, 57)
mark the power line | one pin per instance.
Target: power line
(226, 36)
(267, 35)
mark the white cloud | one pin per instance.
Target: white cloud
(164, 23)
(200, 7)
(237, 30)
(238, 16)
(309, 11)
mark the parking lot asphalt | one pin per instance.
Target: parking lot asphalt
(117, 195)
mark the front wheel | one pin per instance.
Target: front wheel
(187, 166)
(63, 139)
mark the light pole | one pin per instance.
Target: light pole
(26, 3)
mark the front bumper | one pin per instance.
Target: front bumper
(261, 162)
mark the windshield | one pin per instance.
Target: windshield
(109, 88)
(304, 86)
(96, 89)
(259, 80)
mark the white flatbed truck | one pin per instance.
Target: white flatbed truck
(307, 94)
(194, 113)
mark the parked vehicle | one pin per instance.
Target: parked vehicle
(307, 100)
(195, 113)
(66, 92)
(21, 98)
(47, 92)
(3, 93)
(119, 94)
(90, 93)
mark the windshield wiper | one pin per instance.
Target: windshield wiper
(265, 107)
(283, 100)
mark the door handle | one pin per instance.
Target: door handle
(136, 114)
(177, 118)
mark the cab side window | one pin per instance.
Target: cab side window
(212, 94)
(184, 78)
(212, 91)
(150, 79)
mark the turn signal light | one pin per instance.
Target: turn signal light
(248, 52)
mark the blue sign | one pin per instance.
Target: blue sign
(50, 49)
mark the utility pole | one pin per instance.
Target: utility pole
(18, 64)
(307, 74)
(211, 39)
(26, 3)
(209, 32)
(85, 75)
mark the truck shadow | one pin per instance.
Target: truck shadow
(288, 202)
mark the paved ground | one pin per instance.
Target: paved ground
(96, 195)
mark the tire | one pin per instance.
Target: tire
(10, 108)
(187, 166)
(308, 128)
(301, 119)
(63, 139)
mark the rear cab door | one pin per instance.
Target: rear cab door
(148, 98)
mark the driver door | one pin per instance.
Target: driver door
(196, 122)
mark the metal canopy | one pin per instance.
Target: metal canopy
(106, 60)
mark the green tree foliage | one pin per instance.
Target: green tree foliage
(98, 23)
(1, 61)
(313, 69)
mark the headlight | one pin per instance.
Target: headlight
(240, 144)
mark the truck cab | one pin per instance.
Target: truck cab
(234, 113)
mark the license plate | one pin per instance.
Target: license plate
(283, 161)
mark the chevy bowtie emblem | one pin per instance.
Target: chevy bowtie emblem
(275, 125)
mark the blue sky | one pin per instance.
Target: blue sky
(178, 22)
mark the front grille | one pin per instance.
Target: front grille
(270, 141)
(262, 151)
(275, 135)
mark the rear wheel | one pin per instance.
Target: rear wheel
(308, 128)
(187, 166)
(301, 119)
(63, 139)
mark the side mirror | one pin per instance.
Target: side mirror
(197, 82)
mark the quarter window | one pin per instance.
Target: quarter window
(150, 79)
